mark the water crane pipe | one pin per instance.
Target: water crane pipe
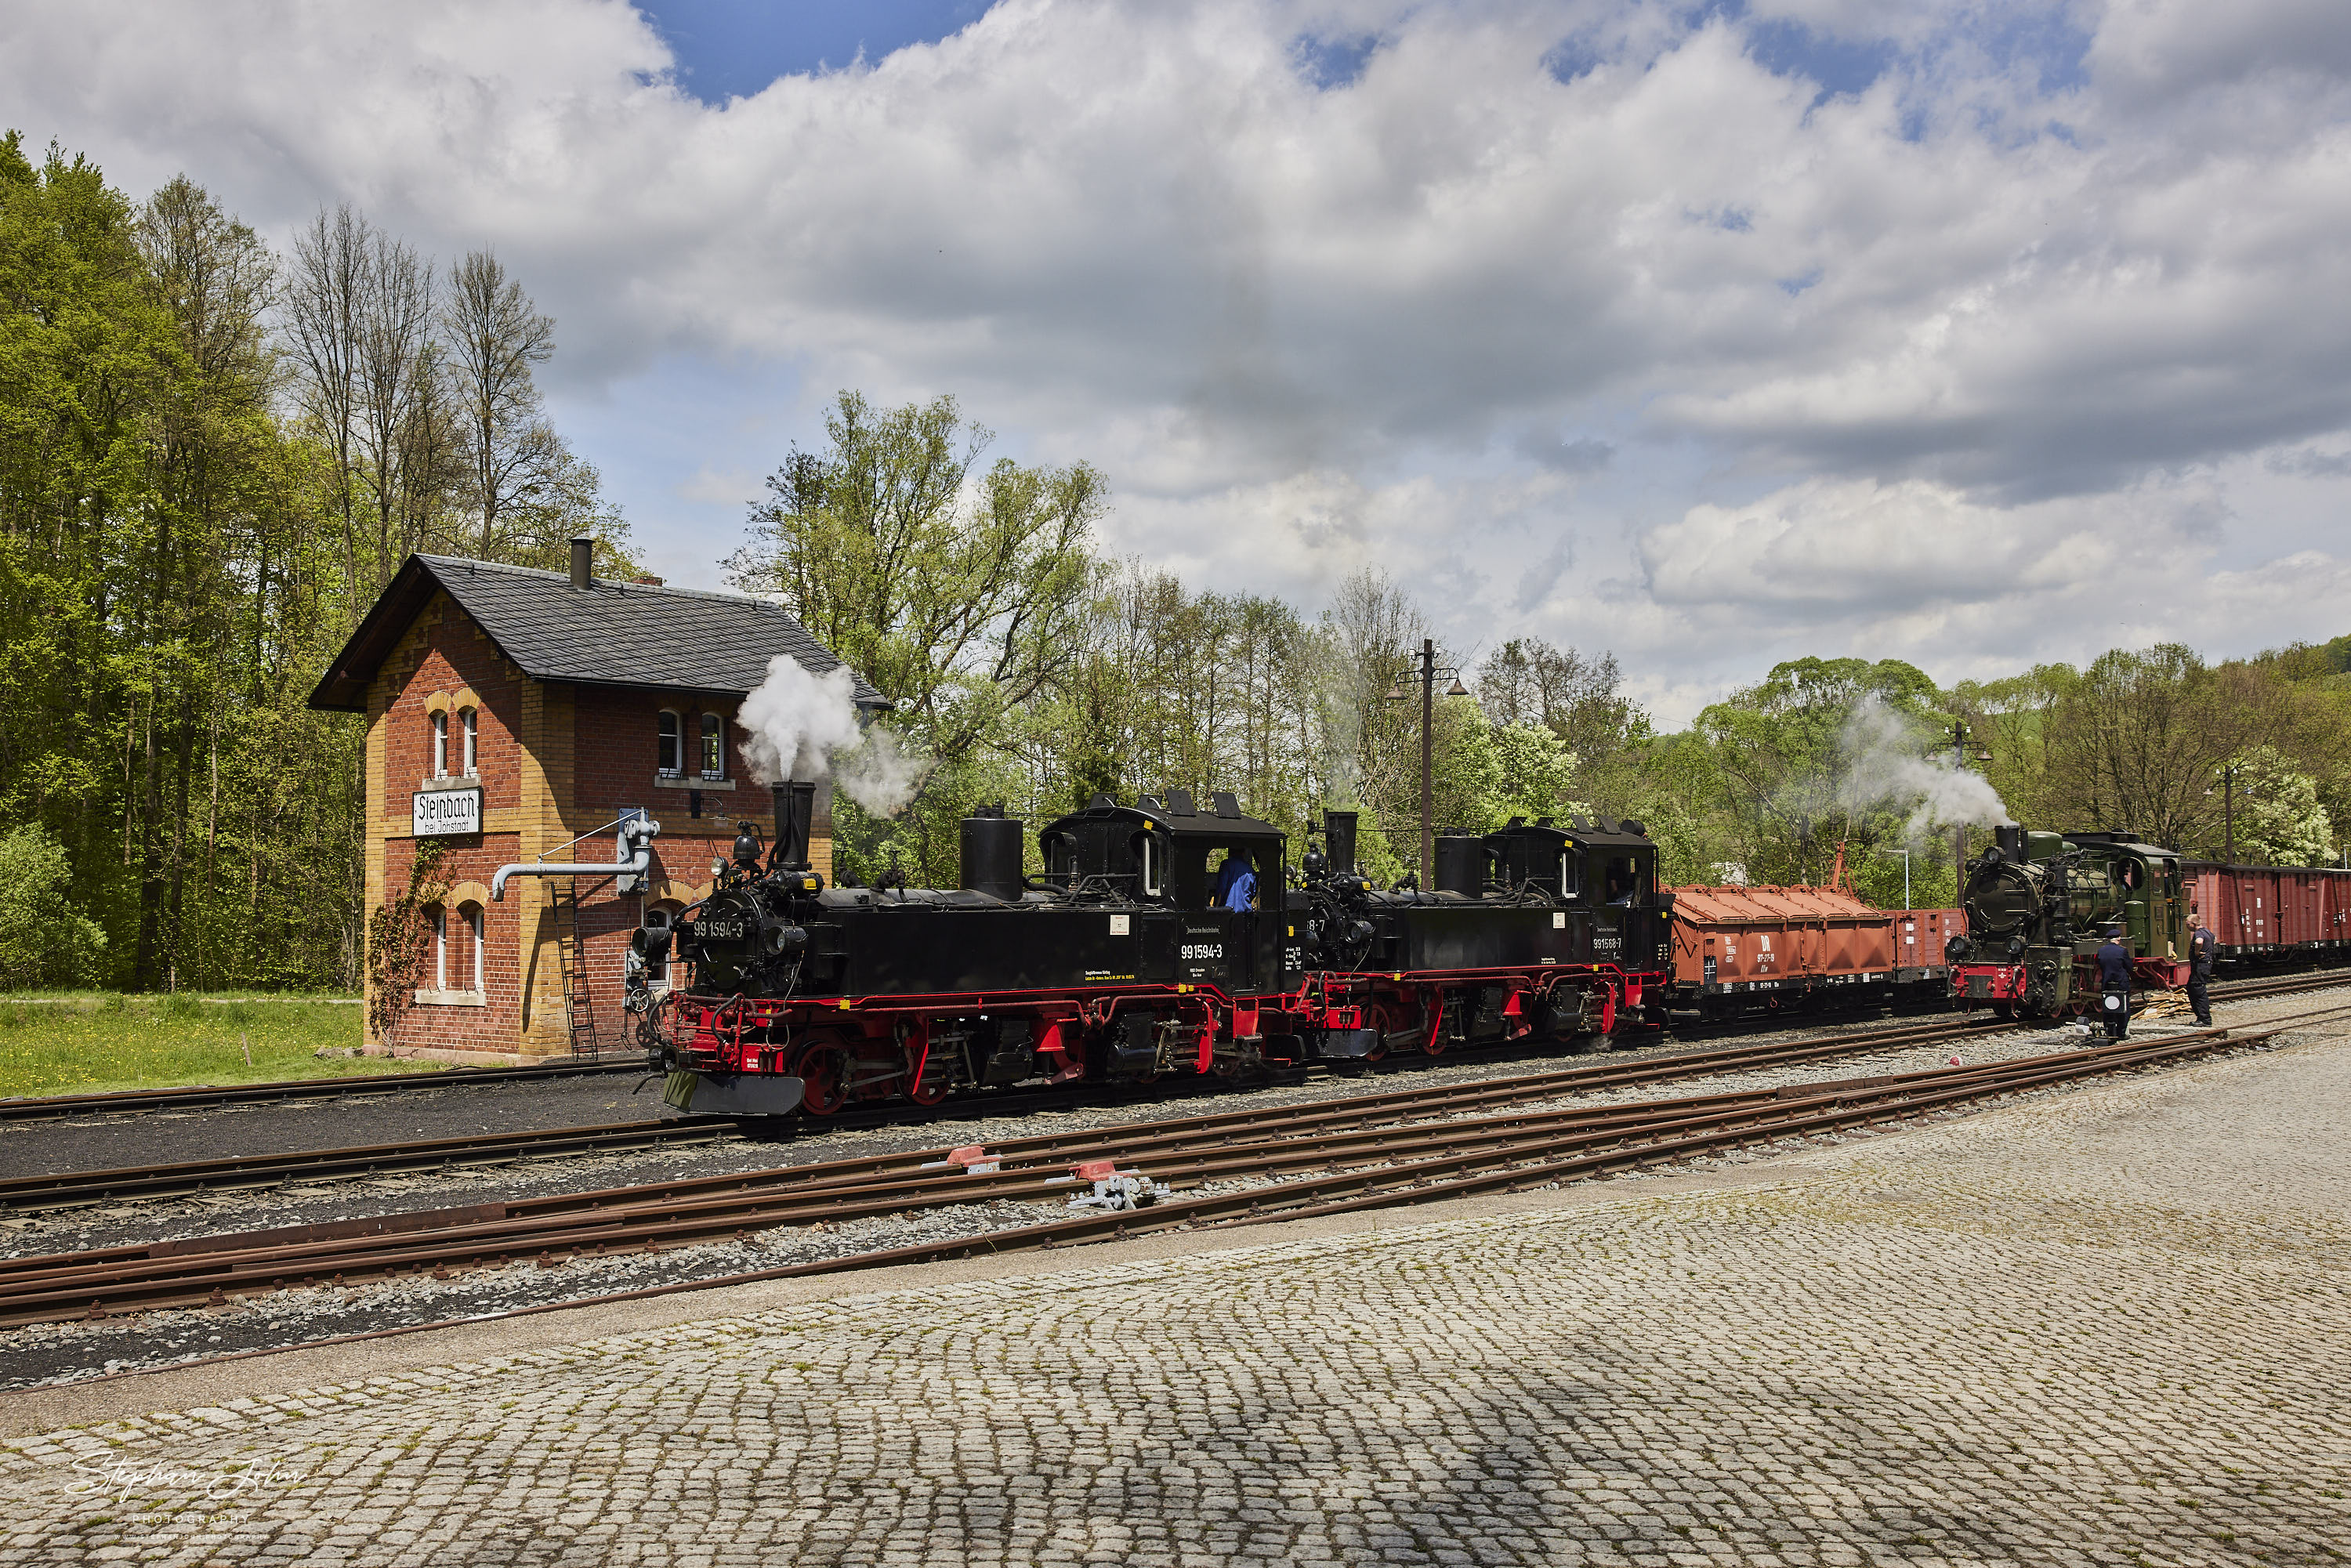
(633, 858)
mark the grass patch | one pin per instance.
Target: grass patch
(73, 1043)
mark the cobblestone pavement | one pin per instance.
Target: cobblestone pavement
(2102, 1327)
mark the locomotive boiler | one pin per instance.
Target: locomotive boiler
(2038, 907)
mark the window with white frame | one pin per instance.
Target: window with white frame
(440, 919)
(472, 917)
(471, 722)
(670, 752)
(440, 746)
(713, 746)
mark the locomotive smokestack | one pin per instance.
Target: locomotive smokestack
(795, 809)
(1338, 831)
(583, 555)
(991, 854)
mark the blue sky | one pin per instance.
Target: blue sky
(729, 48)
(1967, 331)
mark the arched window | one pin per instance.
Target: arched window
(439, 919)
(470, 916)
(440, 745)
(670, 751)
(471, 724)
(713, 746)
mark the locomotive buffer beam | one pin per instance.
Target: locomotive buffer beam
(733, 1093)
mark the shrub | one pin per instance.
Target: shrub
(44, 940)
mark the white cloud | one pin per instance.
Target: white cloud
(1674, 356)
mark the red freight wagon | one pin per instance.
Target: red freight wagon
(1738, 949)
(2264, 913)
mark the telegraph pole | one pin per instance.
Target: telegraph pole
(2228, 811)
(1428, 759)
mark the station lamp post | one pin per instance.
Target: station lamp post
(1905, 874)
(1426, 668)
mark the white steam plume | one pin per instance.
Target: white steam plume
(1887, 770)
(799, 725)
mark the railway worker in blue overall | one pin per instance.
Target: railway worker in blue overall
(1235, 885)
(2201, 945)
(2115, 982)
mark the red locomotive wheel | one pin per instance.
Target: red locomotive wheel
(1385, 1022)
(824, 1071)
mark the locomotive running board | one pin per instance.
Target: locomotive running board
(734, 1093)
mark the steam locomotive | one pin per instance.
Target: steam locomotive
(1127, 959)
(2038, 907)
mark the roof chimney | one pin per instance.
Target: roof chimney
(583, 552)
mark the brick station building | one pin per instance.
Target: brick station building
(512, 712)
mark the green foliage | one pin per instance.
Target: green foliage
(181, 557)
(958, 594)
(44, 940)
(1773, 770)
(2278, 817)
(1490, 772)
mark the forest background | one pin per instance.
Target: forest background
(213, 454)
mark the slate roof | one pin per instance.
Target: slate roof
(608, 634)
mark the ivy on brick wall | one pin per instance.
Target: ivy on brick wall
(398, 938)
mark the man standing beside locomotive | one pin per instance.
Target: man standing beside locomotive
(2114, 980)
(2201, 945)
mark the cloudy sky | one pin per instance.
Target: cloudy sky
(1971, 333)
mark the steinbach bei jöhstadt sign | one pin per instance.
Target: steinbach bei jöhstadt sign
(440, 812)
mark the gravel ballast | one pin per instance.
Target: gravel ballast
(66, 1352)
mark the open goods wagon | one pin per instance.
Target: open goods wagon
(1761, 949)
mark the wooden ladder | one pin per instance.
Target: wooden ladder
(579, 1005)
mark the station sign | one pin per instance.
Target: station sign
(441, 813)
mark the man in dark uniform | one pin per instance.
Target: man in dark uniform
(2114, 981)
(2201, 945)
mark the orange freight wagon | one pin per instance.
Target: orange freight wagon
(1738, 949)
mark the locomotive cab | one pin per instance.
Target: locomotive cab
(1617, 880)
(1170, 853)
(1536, 858)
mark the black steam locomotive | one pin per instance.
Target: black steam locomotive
(1131, 956)
(2039, 905)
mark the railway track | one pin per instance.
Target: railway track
(204, 1096)
(1336, 1156)
(2280, 985)
(259, 1172)
(201, 1096)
